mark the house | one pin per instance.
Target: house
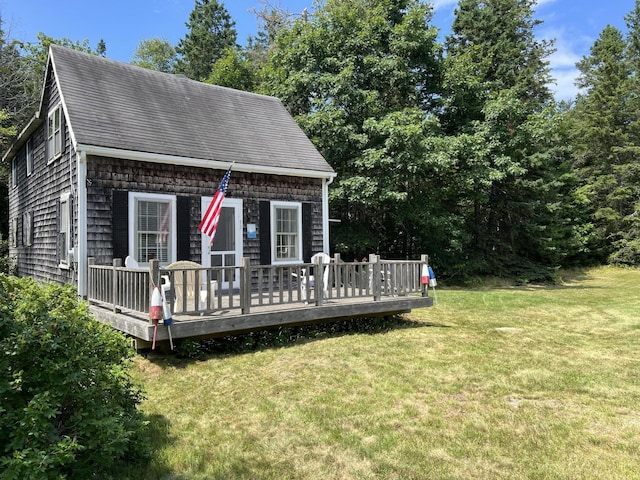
(122, 161)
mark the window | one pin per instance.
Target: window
(27, 229)
(64, 230)
(286, 227)
(54, 133)
(153, 220)
(29, 155)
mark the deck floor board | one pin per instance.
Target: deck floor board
(225, 321)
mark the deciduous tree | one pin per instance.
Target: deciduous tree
(210, 32)
(155, 54)
(361, 77)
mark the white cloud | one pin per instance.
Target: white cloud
(569, 50)
(564, 87)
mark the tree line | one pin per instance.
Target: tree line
(455, 148)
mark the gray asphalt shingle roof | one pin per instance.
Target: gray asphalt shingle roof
(117, 105)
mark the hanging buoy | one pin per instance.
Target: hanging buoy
(155, 310)
(425, 274)
(166, 313)
(168, 320)
(432, 278)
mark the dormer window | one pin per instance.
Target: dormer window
(54, 133)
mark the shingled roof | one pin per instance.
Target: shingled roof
(115, 105)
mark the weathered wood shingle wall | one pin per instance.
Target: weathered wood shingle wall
(106, 175)
(39, 194)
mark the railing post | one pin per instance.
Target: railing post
(154, 280)
(117, 263)
(337, 274)
(91, 261)
(376, 279)
(318, 279)
(424, 288)
(245, 285)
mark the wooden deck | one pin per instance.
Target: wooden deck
(279, 296)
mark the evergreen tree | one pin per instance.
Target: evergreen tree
(606, 145)
(211, 32)
(500, 118)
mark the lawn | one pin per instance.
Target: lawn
(534, 382)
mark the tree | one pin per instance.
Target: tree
(19, 87)
(17, 104)
(360, 77)
(37, 53)
(606, 144)
(211, 32)
(155, 54)
(498, 113)
(233, 70)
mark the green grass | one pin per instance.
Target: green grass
(518, 383)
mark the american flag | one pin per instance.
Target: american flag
(210, 219)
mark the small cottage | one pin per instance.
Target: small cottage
(122, 161)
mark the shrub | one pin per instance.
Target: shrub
(7, 265)
(68, 407)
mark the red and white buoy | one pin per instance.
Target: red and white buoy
(155, 312)
(424, 278)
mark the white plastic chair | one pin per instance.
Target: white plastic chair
(130, 262)
(185, 285)
(308, 281)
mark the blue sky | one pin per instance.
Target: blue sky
(575, 24)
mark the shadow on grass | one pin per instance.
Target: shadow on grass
(159, 437)
(282, 337)
(564, 279)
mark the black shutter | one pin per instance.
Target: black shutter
(264, 233)
(183, 220)
(120, 222)
(307, 232)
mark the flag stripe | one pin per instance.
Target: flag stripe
(210, 219)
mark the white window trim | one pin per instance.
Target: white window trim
(14, 173)
(65, 198)
(160, 197)
(274, 206)
(29, 156)
(55, 152)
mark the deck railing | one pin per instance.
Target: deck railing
(122, 288)
(195, 290)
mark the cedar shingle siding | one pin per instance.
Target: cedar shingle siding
(106, 175)
(40, 193)
(149, 132)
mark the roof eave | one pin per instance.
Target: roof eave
(22, 137)
(200, 163)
